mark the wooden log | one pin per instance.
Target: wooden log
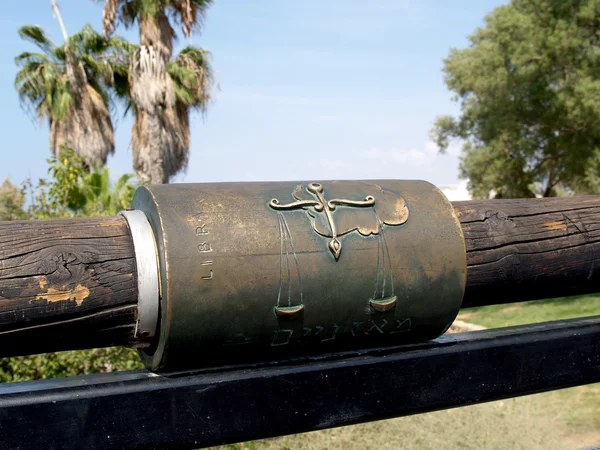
(529, 249)
(66, 284)
(71, 283)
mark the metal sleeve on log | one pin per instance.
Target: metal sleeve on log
(66, 284)
(529, 249)
(255, 271)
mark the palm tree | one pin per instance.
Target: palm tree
(67, 86)
(163, 90)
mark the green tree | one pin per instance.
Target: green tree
(163, 90)
(67, 85)
(12, 200)
(75, 191)
(66, 364)
(529, 91)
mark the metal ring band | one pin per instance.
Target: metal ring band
(147, 272)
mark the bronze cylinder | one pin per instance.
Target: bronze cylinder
(253, 271)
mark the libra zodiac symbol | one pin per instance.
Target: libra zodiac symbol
(333, 219)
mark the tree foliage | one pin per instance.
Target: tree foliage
(12, 201)
(70, 86)
(529, 91)
(162, 90)
(189, 13)
(75, 191)
(73, 86)
(63, 364)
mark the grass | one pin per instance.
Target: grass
(564, 419)
(582, 404)
(495, 316)
(505, 424)
(532, 422)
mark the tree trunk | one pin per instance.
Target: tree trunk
(153, 94)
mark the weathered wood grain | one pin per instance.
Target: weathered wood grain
(530, 249)
(66, 284)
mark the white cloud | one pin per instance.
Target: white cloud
(411, 156)
(453, 149)
(417, 163)
(431, 147)
(456, 192)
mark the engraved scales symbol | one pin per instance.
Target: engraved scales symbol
(337, 217)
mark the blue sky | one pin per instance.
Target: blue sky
(309, 90)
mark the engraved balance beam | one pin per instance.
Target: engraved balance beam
(243, 271)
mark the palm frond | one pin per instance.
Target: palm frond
(60, 53)
(63, 101)
(121, 45)
(189, 13)
(36, 35)
(89, 39)
(78, 107)
(31, 57)
(193, 77)
(109, 16)
(38, 83)
(122, 181)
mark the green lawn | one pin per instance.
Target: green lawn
(581, 404)
(565, 419)
(532, 312)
